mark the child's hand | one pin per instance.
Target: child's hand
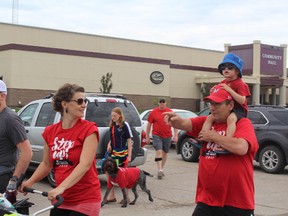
(226, 87)
(208, 135)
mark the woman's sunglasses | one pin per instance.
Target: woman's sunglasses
(228, 66)
(80, 101)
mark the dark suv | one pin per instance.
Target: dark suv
(271, 127)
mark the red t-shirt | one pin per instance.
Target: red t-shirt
(125, 178)
(160, 128)
(226, 179)
(240, 88)
(65, 149)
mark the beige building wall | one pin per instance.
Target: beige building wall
(95, 43)
(44, 59)
(37, 61)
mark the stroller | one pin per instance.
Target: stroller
(21, 207)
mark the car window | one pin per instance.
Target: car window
(28, 113)
(101, 113)
(281, 116)
(46, 116)
(256, 117)
(145, 117)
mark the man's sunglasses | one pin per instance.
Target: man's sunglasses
(80, 101)
(228, 66)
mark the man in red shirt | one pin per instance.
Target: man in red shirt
(225, 181)
(162, 135)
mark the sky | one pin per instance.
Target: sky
(204, 24)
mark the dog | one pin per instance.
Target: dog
(125, 178)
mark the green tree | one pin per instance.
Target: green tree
(106, 83)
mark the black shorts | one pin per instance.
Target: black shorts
(65, 212)
(205, 210)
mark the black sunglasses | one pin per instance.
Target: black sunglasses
(228, 66)
(162, 101)
(80, 101)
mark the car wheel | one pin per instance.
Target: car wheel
(51, 179)
(189, 152)
(271, 160)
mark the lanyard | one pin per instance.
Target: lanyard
(113, 136)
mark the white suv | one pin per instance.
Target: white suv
(39, 113)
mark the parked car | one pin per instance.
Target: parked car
(182, 113)
(271, 127)
(39, 113)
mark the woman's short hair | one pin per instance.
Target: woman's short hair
(65, 93)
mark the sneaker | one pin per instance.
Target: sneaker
(160, 174)
(195, 142)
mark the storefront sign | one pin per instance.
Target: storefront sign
(272, 60)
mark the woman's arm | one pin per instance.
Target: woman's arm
(109, 148)
(130, 147)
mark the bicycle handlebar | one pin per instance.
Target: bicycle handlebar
(59, 198)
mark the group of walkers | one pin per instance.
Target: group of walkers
(226, 139)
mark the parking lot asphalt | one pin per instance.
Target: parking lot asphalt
(174, 195)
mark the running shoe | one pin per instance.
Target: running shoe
(160, 174)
